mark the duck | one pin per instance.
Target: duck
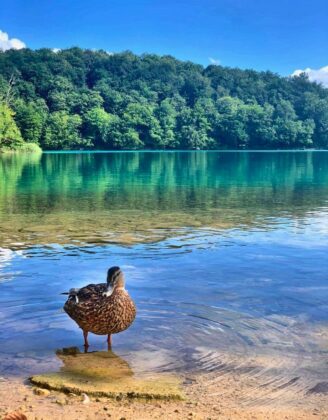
(102, 309)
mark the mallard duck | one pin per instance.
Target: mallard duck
(102, 309)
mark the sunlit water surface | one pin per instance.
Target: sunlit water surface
(225, 254)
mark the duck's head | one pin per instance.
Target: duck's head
(115, 279)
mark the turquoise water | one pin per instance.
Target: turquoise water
(224, 254)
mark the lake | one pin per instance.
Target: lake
(225, 254)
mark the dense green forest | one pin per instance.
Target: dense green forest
(82, 99)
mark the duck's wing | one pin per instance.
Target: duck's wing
(91, 291)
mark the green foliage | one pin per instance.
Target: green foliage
(30, 148)
(89, 99)
(10, 136)
(97, 126)
(31, 118)
(62, 132)
(166, 115)
(139, 120)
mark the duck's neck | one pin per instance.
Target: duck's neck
(111, 290)
(119, 288)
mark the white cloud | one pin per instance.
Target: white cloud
(7, 43)
(214, 61)
(56, 50)
(319, 75)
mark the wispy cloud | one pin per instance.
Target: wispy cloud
(319, 75)
(214, 61)
(7, 43)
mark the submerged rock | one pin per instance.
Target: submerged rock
(42, 392)
(61, 401)
(104, 374)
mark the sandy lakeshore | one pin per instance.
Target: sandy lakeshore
(207, 397)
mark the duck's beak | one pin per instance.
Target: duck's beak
(64, 293)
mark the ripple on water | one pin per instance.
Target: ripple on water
(262, 319)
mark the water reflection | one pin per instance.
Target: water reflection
(255, 304)
(230, 277)
(100, 364)
(133, 197)
(105, 374)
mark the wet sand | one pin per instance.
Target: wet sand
(208, 396)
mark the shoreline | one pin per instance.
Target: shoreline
(208, 396)
(104, 151)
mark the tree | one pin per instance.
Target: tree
(194, 129)
(260, 129)
(10, 136)
(123, 100)
(62, 132)
(31, 118)
(166, 116)
(316, 109)
(139, 119)
(290, 131)
(96, 126)
(232, 123)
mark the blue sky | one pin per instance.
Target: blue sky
(262, 34)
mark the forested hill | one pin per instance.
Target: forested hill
(77, 98)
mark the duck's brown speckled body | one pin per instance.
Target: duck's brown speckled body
(102, 309)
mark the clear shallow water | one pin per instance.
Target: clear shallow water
(228, 267)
